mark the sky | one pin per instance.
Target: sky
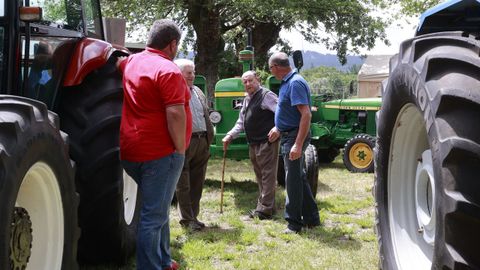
(396, 33)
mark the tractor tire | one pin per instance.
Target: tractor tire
(38, 202)
(311, 169)
(281, 172)
(327, 155)
(358, 154)
(109, 208)
(428, 155)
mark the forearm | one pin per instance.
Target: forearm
(238, 127)
(236, 130)
(303, 129)
(176, 122)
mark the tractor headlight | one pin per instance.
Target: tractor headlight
(215, 117)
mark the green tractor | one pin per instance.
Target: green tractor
(347, 124)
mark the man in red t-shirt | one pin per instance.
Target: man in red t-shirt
(154, 133)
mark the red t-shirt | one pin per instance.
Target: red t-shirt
(151, 83)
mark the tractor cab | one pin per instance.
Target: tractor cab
(60, 104)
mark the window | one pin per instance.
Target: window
(92, 19)
(2, 8)
(46, 64)
(66, 14)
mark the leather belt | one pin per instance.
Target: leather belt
(286, 132)
(199, 134)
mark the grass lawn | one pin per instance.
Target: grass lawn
(346, 239)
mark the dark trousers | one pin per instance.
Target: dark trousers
(190, 184)
(264, 157)
(300, 207)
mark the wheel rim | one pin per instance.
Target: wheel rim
(360, 155)
(40, 198)
(129, 197)
(411, 189)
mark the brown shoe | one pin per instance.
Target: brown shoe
(259, 215)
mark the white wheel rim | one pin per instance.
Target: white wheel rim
(129, 197)
(40, 195)
(411, 189)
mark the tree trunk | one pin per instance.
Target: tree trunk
(264, 37)
(205, 19)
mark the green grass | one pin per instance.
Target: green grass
(233, 241)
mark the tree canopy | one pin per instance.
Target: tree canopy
(215, 28)
(416, 7)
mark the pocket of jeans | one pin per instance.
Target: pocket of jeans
(177, 160)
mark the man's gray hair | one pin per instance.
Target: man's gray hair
(280, 59)
(249, 73)
(162, 33)
(182, 63)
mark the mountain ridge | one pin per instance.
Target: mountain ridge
(312, 59)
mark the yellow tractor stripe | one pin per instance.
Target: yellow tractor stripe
(230, 94)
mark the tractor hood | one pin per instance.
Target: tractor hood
(453, 15)
(356, 104)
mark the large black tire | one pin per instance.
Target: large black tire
(428, 155)
(358, 154)
(327, 155)
(311, 169)
(281, 172)
(38, 202)
(109, 209)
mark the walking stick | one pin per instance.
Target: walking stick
(223, 180)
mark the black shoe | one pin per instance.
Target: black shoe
(259, 215)
(312, 226)
(201, 224)
(191, 225)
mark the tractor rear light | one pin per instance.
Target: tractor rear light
(30, 14)
(215, 117)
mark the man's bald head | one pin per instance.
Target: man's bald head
(279, 65)
(279, 59)
(250, 81)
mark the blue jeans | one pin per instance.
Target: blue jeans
(157, 180)
(300, 207)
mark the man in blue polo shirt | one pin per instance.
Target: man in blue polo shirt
(292, 119)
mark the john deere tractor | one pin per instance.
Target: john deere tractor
(427, 185)
(60, 105)
(347, 124)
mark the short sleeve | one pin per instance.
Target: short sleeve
(299, 93)
(173, 88)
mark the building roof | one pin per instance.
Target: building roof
(375, 68)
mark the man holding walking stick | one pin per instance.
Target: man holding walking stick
(256, 118)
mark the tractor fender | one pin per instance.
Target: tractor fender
(451, 15)
(90, 54)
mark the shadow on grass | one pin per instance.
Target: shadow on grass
(336, 237)
(333, 165)
(244, 192)
(323, 187)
